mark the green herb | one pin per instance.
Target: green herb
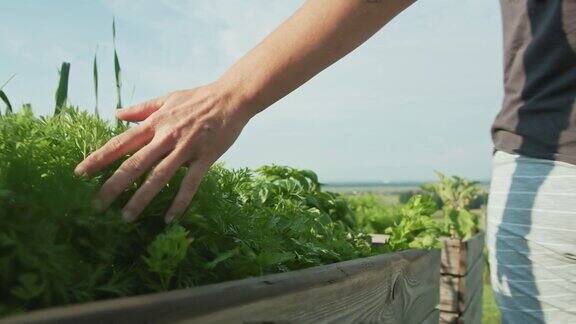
(55, 248)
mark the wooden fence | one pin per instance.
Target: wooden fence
(461, 284)
(398, 287)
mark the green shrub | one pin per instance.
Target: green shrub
(371, 214)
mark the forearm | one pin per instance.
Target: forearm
(317, 35)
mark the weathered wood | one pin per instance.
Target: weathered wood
(461, 283)
(432, 318)
(458, 256)
(449, 317)
(398, 287)
(473, 314)
(456, 291)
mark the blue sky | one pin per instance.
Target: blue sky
(417, 97)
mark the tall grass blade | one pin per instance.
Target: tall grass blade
(4, 97)
(7, 102)
(117, 71)
(95, 75)
(62, 91)
(8, 81)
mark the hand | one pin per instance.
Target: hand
(191, 127)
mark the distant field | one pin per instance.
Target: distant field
(381, 187)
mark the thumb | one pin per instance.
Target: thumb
(140, 111)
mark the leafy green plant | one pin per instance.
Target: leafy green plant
(371, 214)
(56, 248)
(416, 228)
(166, 252)
(456, 194)
(62, 90)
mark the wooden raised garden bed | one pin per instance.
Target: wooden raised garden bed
(398, 287)
(461, 283)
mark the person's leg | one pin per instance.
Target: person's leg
(531, 233)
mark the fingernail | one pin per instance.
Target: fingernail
(128, 216)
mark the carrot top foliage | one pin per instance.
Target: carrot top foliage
(55, 248)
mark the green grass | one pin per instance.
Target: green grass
(490, 312)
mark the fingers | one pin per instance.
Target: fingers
(157, 179)
(130, 171)
(140, 111)
(187, 190)
(125, 143)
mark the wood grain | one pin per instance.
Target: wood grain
(432, 318)
(458, 256)
(461, 283)
(449, 317)
(473, 314)
(456, 291)
(398, 287)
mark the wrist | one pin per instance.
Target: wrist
(238, 99)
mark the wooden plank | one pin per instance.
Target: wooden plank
(458, 255)
(473, 314)
(432, 318)
(449, 317)
(456, 291)
(398, 287)
(475, 248)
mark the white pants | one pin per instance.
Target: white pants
(531, 235)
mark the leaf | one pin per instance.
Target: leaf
(62, 90)
(166, 252)
(464, 223)
(8, 81)
(6, 101)
(117, 69)
(30, 286)
(221, 258)
(95, 78)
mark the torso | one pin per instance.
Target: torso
(538, 118)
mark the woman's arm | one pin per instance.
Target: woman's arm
(317, 35)
(195, 127)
